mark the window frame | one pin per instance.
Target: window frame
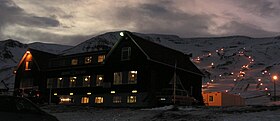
(98, 81)
(132, 80)
(74, 61)
(99, 100)
(117, 99)
(88, 60)
(118, 80)
(125, 53)
(131, 99)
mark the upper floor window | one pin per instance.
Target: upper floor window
(59, 83)
(99, 80)
(117, 78)
(101, 58)
(126, 51)
(86, 82)
(88, 59)
(74, 61)
(132, 77)
(72, 82)
(50, 82)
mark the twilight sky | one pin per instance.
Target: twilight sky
(73, 21)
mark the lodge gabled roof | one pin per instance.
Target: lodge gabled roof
(161, 54)
(40, 58)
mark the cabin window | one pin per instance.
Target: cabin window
(74, 61)
(85, 100)
(72, 82)
(86, 82)
(117, 99)
(99, 80)
(59, 82)
(117, 78)
(211, 99)
(101, 58)
(132, 77)
(98, 100)
(88, 60)
(131, 99)
(125, 55)
(50, 82)
(28, 65)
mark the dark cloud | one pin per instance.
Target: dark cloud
(260, 7)
(236, 28)
(12, 14)
(164, 18)
(31, 21)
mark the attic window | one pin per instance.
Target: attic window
(88, 59)
(101, 58)
(126, 51)
(74, 61)
(28, 65)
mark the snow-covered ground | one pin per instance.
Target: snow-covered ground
(82, 113)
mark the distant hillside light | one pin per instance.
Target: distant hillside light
(121, 34)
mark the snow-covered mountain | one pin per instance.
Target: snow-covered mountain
(235, 64)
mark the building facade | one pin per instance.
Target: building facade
(130, 74)
(222, 99)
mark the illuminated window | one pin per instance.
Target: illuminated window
(59, 83)
(66, 100)
(71, 93)
(117, 78)
(132, 77)
(88, 60)
(50, 82)
(74, 61)
(99, 80)
(85, 100)
(117, 99)
(101, 58)
(98, 100)
(131, 99)
(86, 81)
(211, 99)
(72, 82)
(125, 55)
(28, 65)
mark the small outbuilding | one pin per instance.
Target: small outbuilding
(222, 99)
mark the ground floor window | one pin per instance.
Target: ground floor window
(85, 100)
(211, 98)
(64, 100)
(131, 99)
(98, 100)
(117, 99)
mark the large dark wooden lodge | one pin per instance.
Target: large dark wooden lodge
(134, 73)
